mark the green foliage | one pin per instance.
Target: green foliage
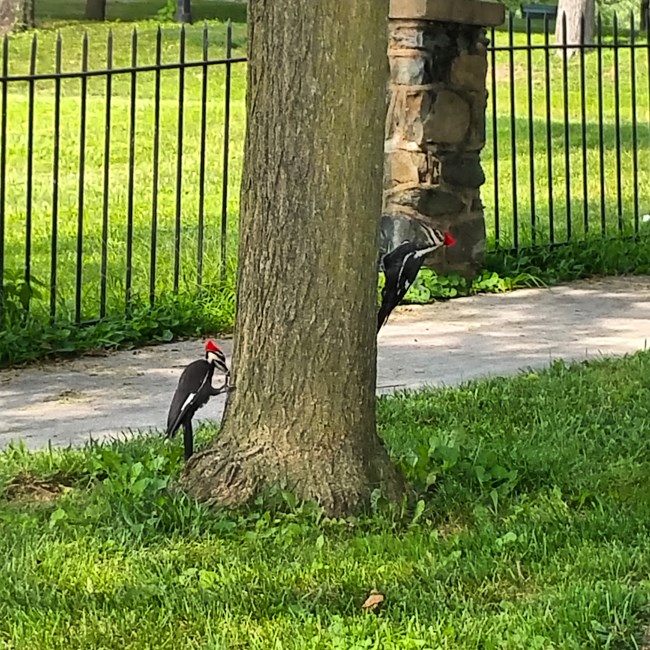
(607, 8)
(184, 316)
(529, 529)
(16, 296)
(210, 311)
(596, 257)
(430, 286)
(168, 11)
(536, 267)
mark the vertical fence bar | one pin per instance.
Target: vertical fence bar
(131, 181)
(601, 130)
(549, 134)
(495, 136)
(55, 178)
(617, 117)
(226, 151)
(513, 131)
(583, 125)
(156, 160)
(82, 182)
(567, 142)
(107, 174)
(635, 144)
(179, 162)
(531, 130)
(3, 166)
(29, 185)
(204, 115)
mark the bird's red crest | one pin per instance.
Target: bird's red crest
(449, 239)
(211, 346)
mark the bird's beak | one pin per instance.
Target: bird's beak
(449, 239)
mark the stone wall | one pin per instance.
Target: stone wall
(435, 127)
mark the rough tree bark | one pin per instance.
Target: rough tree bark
(574, 10)
(302, 414)
(183, 11)
(95, 9)
(16, 15)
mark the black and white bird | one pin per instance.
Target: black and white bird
(402, 265)
(193, 391)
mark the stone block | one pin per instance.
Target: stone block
(404, 166)
(410, 109)
(406, 36)
(466, 257)
(468, 72)
(410, 70)
(430, 201)
(476, 134)
(465, 171)
(464, 12)
(449, 120)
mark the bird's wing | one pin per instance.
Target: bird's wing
(407, 282)
(177, 412)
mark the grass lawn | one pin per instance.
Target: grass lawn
(507, 193)
(533, 533)
(561, 197)
(118, 198)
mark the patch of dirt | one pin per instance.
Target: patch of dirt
(68, 395)
(25, 488)
(645, 639)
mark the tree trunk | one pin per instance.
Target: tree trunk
(16, 15)
(183, 11)
(645, 14)
(574, 10)
(95, 9)
(302, 414)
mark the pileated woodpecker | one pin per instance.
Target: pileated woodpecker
(193, 391)
(402, 265)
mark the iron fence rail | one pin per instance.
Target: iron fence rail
(569, 139)
(578, 135)
(76, 307)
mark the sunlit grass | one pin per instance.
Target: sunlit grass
(170, 156)
(559, 197)
(534, 534)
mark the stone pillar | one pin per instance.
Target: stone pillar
(435, 126)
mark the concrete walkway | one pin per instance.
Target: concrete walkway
(445, 343)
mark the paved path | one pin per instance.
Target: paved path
(444, 343)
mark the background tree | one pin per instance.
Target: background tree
(574, 10)
(183, 11)
(303, 410)
(16, 14)
(95, 9)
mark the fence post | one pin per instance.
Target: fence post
(435, 127)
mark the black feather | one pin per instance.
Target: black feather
(401, 268)
(197, 379)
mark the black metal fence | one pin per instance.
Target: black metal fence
(570, 134)
(116, 176)
(120, 161)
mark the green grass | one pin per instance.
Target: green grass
(119, 166)
(54, 12)
(531, 531)
(501, 188)
(603, 208)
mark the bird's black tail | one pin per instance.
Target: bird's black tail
(382, 317)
